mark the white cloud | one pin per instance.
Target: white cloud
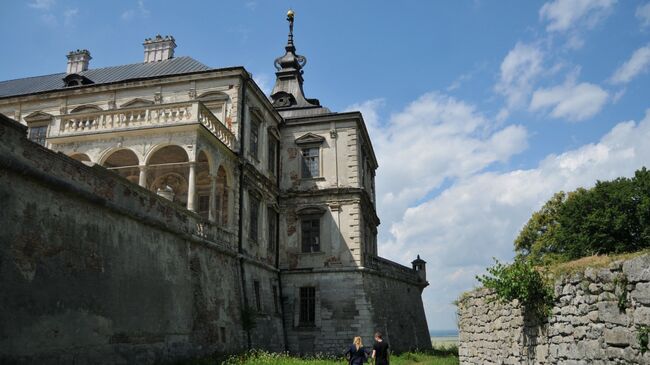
(459, 230)
(643, 14)
(140, 10)
(69, 15)
(434, 139)
(637, 64)
(565, 14)
(263, 80)
(41, 4)
(519, 69)
(571, 101)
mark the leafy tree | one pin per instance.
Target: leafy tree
(611, 217)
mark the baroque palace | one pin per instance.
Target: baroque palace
(167, 209)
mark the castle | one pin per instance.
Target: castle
(166, 209)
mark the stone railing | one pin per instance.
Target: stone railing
(391, 268)
(214, 125)
(213, 233)
(145, 116)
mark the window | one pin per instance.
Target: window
(273, 155)
(223, 334)
(255, 138)
(310, 230)
(37, 134)
(307, 305)
(258, 301)
(254, 214)
(204, 205)
(272, 219)
(276, 306)
(310, 166)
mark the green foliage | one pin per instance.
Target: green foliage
(620, 282)
(520, 280)
(257, 357)
(643, 333)
(611, 217)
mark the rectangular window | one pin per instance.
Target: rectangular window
(37, 134)
(307, 305)
(273, 155)
(255, 138)
(204, 205)
(258, 300)
(254, 209)
(272, 219)
(276, 305)
(310, 162)
(310, 231)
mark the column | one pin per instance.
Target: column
(191, 188)
(143, 176)
(213, 197)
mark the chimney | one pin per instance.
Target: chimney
(78, 61)
(159, 48)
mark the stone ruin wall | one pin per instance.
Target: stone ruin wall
(96, 270)
(586, 325)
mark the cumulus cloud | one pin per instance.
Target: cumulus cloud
(565, 14)
(476, 218)
(434, 139)
(643, 14)
(571, 101)
(41, 4)
(139, 10)
(518, 70)
(637, 64)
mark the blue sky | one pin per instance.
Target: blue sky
(479, 110)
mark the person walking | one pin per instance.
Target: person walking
(380, 350)
(356, 354)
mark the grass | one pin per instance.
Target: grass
(596, 261)
(437, 356)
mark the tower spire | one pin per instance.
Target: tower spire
(287, 92)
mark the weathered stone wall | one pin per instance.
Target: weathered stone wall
(595, 320)
(96, 270)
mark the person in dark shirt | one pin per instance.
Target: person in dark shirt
(356, 353)
(380, 350)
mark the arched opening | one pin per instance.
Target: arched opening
(203, 184)
(168, 172)
(80, 157)
(125, 163)
(222, 197)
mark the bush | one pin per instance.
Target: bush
(522, 281)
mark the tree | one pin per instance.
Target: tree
(611, 217)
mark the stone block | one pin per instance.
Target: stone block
(637, 269)
(641, 293)
(618, 337)
(642, 316)
(610, 313)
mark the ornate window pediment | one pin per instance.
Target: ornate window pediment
(313, 210)
(310, 138)
(86, 108)
(137, 102)
(38, 116)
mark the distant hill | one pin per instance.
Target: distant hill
(443, 333)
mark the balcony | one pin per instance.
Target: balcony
(144, 117)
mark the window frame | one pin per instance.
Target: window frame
(41, 138)
(253, 217)
(254, 139)
(272, 227)
(306, 247)
(305, 169)
(307, 306)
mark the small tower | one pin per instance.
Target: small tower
(287, 93)
(420, 266)
(78, 61)
(158, 48)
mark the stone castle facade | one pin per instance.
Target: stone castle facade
(267, 203)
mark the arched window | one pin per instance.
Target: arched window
(168, 172)
(125, 163)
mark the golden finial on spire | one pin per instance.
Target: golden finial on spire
(290, 14)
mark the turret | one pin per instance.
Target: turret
(420, 266)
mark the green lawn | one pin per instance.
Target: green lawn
(439, 357)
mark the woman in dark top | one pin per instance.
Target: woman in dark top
(356, 353)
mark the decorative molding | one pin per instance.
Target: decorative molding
(311, 210)
(310, 138)
(157, 98)
(192, 93)
(38, 116)
(333, 133)
(137, 102)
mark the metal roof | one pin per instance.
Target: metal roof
(173, 66)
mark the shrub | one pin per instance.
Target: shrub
(522, 281)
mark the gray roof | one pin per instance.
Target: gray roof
(174, 66)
